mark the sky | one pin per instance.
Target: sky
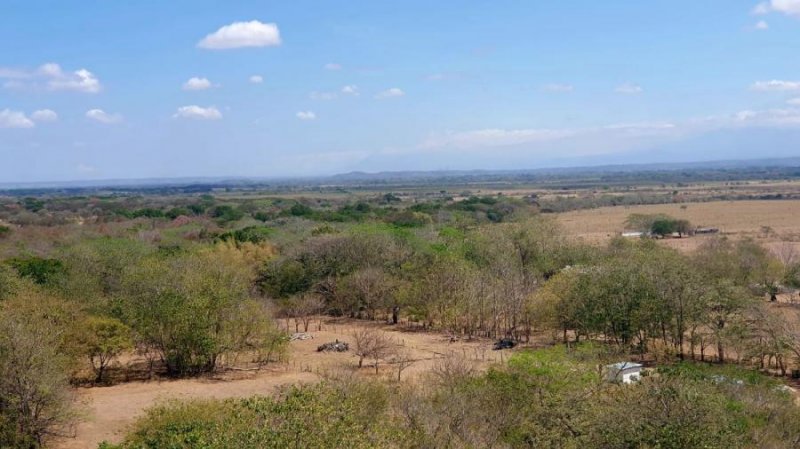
(102, 89)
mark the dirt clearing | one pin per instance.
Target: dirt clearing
(111, 409)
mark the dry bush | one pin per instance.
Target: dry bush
(374, 345)
(452, 368)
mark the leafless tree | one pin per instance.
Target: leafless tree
(787, 253)
(372, 344)
(307, 306)
(451, 368)
(402, 360)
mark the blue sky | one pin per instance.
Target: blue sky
(110, 89)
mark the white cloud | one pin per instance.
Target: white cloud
(332, 66)
(390, 93)
(555, 87)
(436, 77)
(44, 115)
(102, 116)
(242, 34)
(324, 96)
(198, 113)
(14, 119)
(51, 77)
(629, 89)
(771, 118)
(776, 85)
(350, 89)
(80, 80)
(794, 101)
(761, 25)
(788, 7)
(306, 115)
(256, 79)
(196, 83)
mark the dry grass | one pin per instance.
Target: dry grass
(734, 218)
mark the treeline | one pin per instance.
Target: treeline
(65, 320)
(544, 399)
(386, 208)
(514, 280)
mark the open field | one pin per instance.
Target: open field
(733, 218)
(111, 409)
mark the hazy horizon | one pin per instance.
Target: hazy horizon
(110, 91)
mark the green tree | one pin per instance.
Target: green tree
(663, 227)
(191, 308)
(35, 362)
(42, 271)
(103, 340)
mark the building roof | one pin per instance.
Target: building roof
(624, 365)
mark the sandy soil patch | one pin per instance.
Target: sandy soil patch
(110, 410)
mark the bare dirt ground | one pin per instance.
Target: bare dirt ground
(767, 221)
(109, 410)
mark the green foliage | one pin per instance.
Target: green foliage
(95, 268)
(663, 227)
(319, 416)
(196, 209)
(103, 339)
(32, 204)
(148, 212)
(300, 210)
(5, 231)
(35, 360)
(193, 308)
(285, 278)
(263, 216)
(227, 213)
(176, 212)
(40, 270)
(391, 198)
(251, 234)
(669, 414)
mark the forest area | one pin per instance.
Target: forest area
(192, 285)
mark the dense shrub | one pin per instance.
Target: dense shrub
(42, 271)
(320, 416)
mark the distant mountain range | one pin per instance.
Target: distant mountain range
(393, 177)
(615, 168)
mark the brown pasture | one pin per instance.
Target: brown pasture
(767, 221)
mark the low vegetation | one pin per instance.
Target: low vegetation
(544, 398)
(101, 290)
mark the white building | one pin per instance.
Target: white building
(623, 372)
